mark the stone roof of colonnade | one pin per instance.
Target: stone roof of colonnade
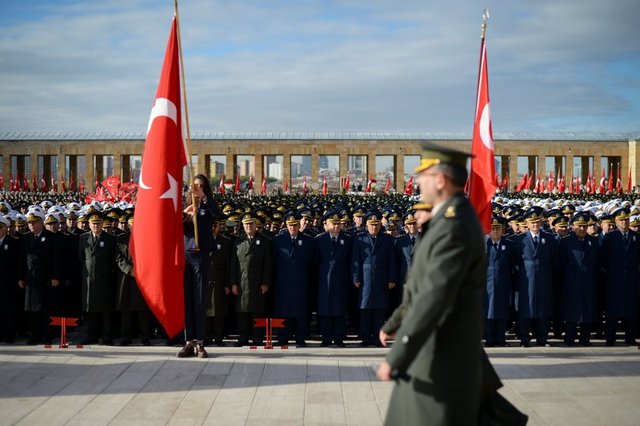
(321, 135)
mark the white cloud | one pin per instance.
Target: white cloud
(317, 65)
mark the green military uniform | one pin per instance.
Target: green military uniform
(438, 349)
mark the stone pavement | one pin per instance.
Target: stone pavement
(311, 386)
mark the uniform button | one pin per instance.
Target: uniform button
(405, 339)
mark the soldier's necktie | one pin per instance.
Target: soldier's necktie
(495, 246)
(334, 240)
(293, 241)
(413, 241)
(624, 237)
(535, 241)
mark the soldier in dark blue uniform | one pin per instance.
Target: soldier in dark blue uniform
(621, 256)
(293, 258)
(332, 260)
(405, 246)
(374, 274)
(9, 249)
(502, 262)
(578, 265)
(535, 280)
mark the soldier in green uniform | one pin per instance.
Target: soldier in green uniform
(436, 358)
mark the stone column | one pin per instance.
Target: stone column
(117, 164)
(315, 160)
(371, 167)
(259, 172)
(230, 166)
(597, 168)
(399, 172)
(634, 158)
(286, 168)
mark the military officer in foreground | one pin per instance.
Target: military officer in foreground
(436, 359)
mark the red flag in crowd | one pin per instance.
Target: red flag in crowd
(221, 188)
(63, 184)
(482, 184)
(250, 184)
(562, 185)
(387, 186)
(523, 182)
(158, 257)
(263, 186)
(347, 183)
(408, 188)
(81, 185)
(72, 183)
(610, 182)
(619, 183)
(43, 185)
(54, 184)
(505, 182)
(551, 182)
(236, 187)
(34, 183)
(603, 182)
(324, 185)
(593, 183)
(112, 184)
(305, 190)
(286, 185)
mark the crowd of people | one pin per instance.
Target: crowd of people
(334, 265)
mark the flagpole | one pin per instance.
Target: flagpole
(485, 18)
(186, 121)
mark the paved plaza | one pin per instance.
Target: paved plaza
(312, 386)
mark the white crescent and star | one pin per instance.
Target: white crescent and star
(485, 127)
(162, 107)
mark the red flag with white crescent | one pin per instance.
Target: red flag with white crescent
(482, 184)
(324, 185)
(157, 243)
(263, 186)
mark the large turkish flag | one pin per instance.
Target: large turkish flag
(157, 244)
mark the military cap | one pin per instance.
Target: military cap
(73, 206)
(330, 216)
(568, 209)
(391, 226)
(498, 221)
(561, 222)
(227, 208)
(107, 222)
(532, 216)
(82, 217)
(345, 219)
(51, 218)
(409, 217)
(580, 219)
(553, 213)
(372, 218)
(34, 216)
(621, 213)
(394, 216)
(592, 220)
(433, 154)
(359, 211)
(248, 218)
(72, 215)
(4, 207)
(306, 212)
(422, 206)
(4, 221)
(95, 217)
(233, 219)
(634, 221)
(21, 219)
(292, 218)
(46, 204)
(606, 218)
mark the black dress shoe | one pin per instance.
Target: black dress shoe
(187, 351)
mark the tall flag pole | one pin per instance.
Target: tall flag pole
(482, 184)
(158, 256)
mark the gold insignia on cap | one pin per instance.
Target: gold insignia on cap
(450, 212)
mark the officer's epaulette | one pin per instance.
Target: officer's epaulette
(450, 213)
(14, 237)
(226, 236)
(320, 234)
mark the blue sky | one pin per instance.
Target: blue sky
(318, 65)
